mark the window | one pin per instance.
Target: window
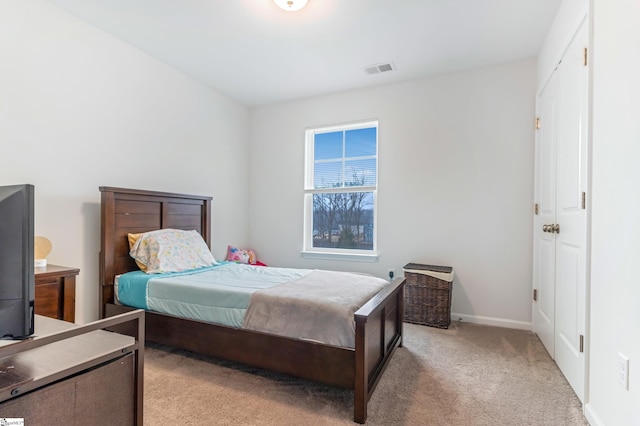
(341, 179)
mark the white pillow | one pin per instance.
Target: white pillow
(171, 250)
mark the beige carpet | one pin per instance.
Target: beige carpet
(466, 375)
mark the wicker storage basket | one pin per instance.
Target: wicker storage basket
(427, 294)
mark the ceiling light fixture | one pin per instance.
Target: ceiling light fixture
(291, 5)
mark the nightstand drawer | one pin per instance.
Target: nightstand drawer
(55, 292)
(47, 300)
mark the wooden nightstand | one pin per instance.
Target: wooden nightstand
(56, 292)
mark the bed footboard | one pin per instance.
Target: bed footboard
(378, 334)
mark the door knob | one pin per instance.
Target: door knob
(553, 228)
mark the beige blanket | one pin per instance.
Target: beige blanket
(317, 307)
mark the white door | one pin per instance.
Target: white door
(571, 214)
(544, 254)
(560, 262)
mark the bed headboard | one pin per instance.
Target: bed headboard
(125, 211)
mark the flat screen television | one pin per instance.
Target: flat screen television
(16, 261)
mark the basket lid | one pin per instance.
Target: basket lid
(444, 273)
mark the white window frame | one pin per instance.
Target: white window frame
(309, 190)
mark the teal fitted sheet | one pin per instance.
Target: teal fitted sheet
(219, 294)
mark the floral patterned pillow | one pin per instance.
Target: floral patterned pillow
(238, 255)
(171, 250)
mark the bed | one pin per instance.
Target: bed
(378, 322)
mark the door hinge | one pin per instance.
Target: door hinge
(585, 57)
(535, 208)
(581, 343)
(535, 294)
(584, 200)
(537, 123)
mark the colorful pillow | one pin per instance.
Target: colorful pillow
(171, 250)
(132, 241)
(238, 255)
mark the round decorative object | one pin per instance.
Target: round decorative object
(41, 249)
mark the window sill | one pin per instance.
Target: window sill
(352, 257)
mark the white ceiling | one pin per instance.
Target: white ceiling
(254, 52)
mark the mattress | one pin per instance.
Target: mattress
(303, 304)
(218, 294)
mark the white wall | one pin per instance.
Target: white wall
(80, 109)
(571, 14)
(455, 182)
(615, 289)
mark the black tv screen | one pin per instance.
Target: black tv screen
(16, 261)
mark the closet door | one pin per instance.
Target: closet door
(544, 254)
(571, 213)
(560, 259)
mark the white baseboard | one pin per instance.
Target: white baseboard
(591, 416)
(496, 322)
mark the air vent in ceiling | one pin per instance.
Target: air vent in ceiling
(376, 69)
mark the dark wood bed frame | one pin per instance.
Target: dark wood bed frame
(378, 322)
